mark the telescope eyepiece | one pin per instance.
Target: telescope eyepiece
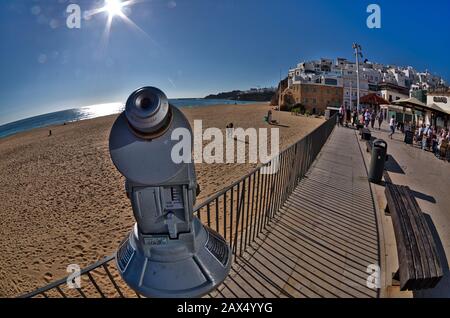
(147, 110)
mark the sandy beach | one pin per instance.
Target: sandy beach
(62, 201)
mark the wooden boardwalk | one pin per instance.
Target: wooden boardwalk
(324, 238)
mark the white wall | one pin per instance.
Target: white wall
(441, 100)
(395, 95)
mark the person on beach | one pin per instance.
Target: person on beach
(269, 116)
(229, 129)
(49, 133)
(392, 126)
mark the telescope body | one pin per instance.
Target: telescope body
(169, 252)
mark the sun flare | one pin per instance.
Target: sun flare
(114, 7)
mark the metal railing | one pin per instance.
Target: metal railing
(241, 213)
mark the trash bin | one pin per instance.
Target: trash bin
(409, 137)
(379, 150)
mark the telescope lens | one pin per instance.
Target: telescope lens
(146, 109)
(146, 102)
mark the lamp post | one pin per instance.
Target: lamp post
(358, 54)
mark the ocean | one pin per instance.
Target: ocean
(88, 112)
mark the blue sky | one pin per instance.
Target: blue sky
(190, 48)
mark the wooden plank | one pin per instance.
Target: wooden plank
(427, 256)
(410, 238)
(432, 256)
(419, 263)
(421, 266)
(405, 259)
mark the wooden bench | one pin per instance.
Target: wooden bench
(419, 263)
(366, 134)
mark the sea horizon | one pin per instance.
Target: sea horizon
(95, 111)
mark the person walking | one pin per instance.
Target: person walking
(355, 118)
(380, 119)
(341, 115)
(392, 126)
(348, 116)
(373, 117)
(426, 135)
(367, 118)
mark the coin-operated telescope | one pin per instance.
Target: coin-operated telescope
(169, 253)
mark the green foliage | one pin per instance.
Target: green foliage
(298, 109)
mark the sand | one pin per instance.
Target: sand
(62, 201)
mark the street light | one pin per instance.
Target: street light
(358, 54)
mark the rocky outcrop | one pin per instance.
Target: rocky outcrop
(243, 96)
(281, 87)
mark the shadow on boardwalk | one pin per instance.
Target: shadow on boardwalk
(324, 239)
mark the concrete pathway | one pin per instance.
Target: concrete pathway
(429, 178)
(325, 238)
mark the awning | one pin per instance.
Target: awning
(413, 102)
(409, 102)
(372, 99)
(438, 109)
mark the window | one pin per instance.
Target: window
(314, 100)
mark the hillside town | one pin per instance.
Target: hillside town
(409, 95)
(326, 82)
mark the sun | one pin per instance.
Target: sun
(114, 7)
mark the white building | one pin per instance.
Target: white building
(441, 98)
(392, 92)
(350, 88)
(388, 81)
